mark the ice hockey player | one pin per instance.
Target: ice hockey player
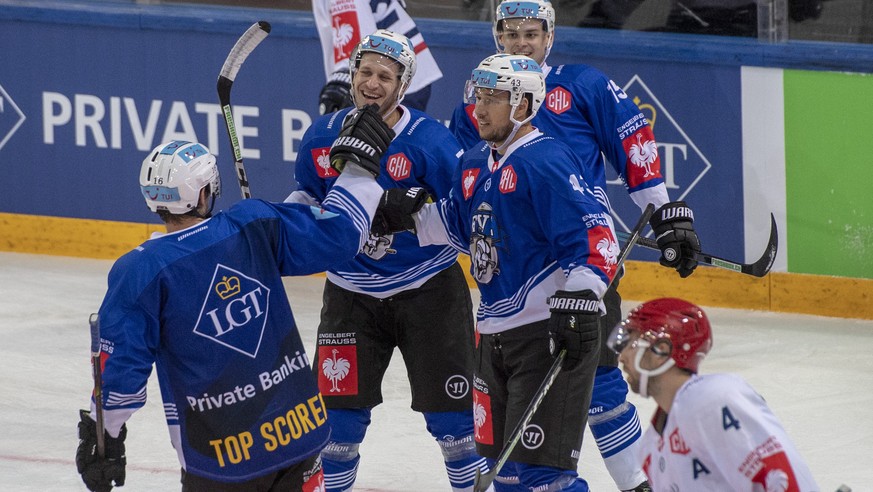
(205, 304)
(542, 250)
(396, 294)
(709, 432)
(582, 103)
(342, 24)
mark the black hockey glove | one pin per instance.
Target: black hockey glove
(99, 473)
(395, 210)
(363, 139)
(336, 93)
(674, 231)
(574, 325)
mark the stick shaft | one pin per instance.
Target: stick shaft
(97, 371)
(238, 54)
(757, 269)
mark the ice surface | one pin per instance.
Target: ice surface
(815, 372)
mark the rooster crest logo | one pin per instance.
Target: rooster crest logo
(643, 154)
(468, 181)
(479, 417)
(609, 250)
(336, 369)
(776, 481)
(342, 34)
(323, 161)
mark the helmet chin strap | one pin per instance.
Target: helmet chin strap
(501, 149)
(642, 347)
(516, 125)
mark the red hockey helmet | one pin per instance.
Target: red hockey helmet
(684, 325)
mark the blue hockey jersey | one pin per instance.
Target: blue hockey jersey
(531, 225)
(206, 306)
(423, 153)
(582, 105)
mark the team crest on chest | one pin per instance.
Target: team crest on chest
(559, 100)
(469, 182)
(508, 180)
(677, 444)
(398, 166)
(321, 160)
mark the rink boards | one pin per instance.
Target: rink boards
(743, 129)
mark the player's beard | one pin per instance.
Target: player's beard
(496, 134)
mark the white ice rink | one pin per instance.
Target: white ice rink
(816, 373)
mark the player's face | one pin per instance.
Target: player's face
(492, 112)
(377, 81)
(525, 37)
(627, 359)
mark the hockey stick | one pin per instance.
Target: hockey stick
(756, 269)
(483, 481)
(97, 371)
(238, 54)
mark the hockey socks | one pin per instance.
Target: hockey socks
(616, 427)
(453, 431)
(340, 457)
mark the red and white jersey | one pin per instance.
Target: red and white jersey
(342, 23)
(720, 435)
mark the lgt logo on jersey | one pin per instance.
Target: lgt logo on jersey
(235, 311)
(559, 100)
(321, 161)
(398, 167)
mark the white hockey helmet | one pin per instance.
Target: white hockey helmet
(526, 9)
(392, 45)
(173, 174)
(517, 74)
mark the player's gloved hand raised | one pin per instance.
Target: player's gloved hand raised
(396, 208)
(574, 325)
(363, 139)
(100, 473)
(336, 93)
(676, 237)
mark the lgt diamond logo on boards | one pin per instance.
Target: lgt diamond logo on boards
(11, 117)
(683, 164)
(234, 311)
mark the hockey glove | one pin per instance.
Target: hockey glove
(396, 208)
(336, 93)
(574, 325)
(99, 473)
(677, 240)
(363, 139)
